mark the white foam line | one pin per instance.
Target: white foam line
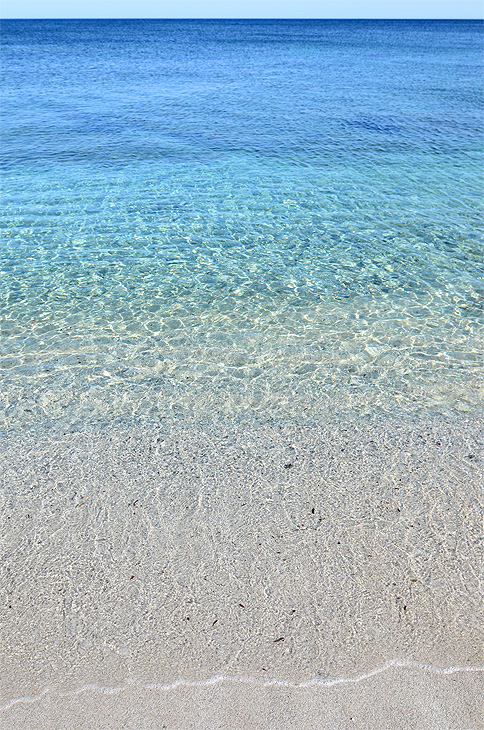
(219, 678)
(34, 698)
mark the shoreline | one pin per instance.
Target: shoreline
(279, 552)
(395, 696)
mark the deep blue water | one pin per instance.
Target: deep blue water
(240, 219)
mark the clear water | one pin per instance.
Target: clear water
(240, 219)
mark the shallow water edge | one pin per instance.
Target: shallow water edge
(280, 552)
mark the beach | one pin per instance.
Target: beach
(271, 577)
(399, 698)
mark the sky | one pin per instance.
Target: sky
(242, 9)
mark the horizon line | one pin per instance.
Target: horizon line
(242, 18)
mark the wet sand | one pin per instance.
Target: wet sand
(396, 698)
(281, 576)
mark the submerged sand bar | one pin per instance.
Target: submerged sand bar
(277, 576)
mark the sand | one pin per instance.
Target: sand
(279, 576)
(403, 698)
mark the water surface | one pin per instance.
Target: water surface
(240, 220)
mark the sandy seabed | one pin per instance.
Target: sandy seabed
(278, 576)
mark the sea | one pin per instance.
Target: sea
(240, 220)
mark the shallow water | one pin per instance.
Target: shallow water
(240, 220)
(281, 553)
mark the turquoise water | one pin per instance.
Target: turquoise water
(240, 220)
